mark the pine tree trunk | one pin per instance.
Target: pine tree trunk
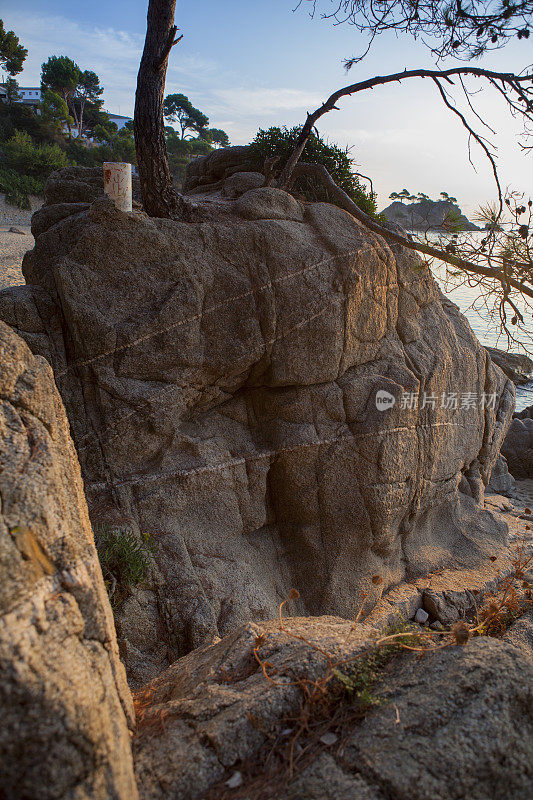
(159, 198)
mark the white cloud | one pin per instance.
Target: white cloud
(264, 101)
(113, 54)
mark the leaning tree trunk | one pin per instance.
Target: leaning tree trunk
(158, 195)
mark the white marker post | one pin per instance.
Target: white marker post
(117, 184)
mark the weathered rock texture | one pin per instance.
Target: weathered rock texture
(501, 480)
(65, 705)
(220, 378)
(215, 167)
(456, 724)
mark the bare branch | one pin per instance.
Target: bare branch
(341, 199)
(519, 85)
(479, 139)
(460, 28)
(169, 44)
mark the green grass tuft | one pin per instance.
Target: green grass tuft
(125, 560)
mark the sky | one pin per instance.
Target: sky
(250, 65)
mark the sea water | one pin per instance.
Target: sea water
(486, 330)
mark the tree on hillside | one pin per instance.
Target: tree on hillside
(215, 136)
(88, 92)
(61, 75)
(448, 198)
(12, 91)
(105, 132)
(79, 89)
(401, 196)
(178, 108)
(55, 111)
(12, 53)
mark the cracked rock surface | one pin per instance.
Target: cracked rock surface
(65, 706)
(220, 378)
(456, 724)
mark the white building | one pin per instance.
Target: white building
(120, 121)
(31, 96)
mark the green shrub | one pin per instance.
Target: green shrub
(18, 117)
(18, 187)
(119, 148)
(181, 151)
(125, 560)
(36, 160)
(80, 154)
(281, 142)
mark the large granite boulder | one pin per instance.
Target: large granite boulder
(276, 395)
(457, 723)
(216, 166)
(65, 705)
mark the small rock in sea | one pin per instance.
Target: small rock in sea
(16, 230)
(235, 781)
(421, 616)
(329, 738)
(437, 626)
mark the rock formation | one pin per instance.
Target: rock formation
(501, 480)
(428, 215)
(65, 705)
(456, 724)
(268, 391)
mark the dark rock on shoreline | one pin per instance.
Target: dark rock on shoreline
(517, 366)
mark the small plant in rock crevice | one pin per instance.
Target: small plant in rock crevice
(359, 678)
(330, 705)
(345, 691)
(513, 597)
(124, 558)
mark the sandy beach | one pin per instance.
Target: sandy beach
(13, 246)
